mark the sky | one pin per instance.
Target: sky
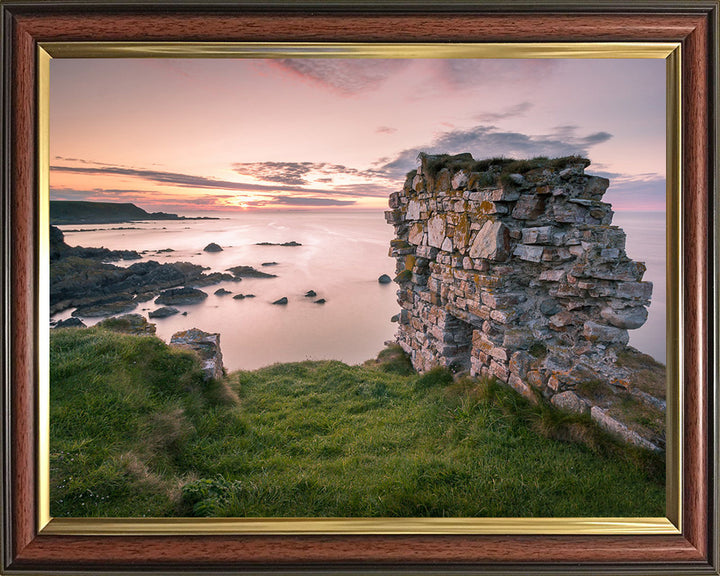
(190, 135)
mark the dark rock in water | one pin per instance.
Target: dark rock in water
(395, 318)
(128, 324)
(214, 278)
(243, 296)
(249, 272)
(163, 312)
(384, 279)
(184, 313)
(145, 297)
(212, 247)
(291, 243)
(269, 264)
(310, 294)
(222, 292)
(108, 308)
(321, 301)
(70, 323)
(281, 301)
(206, 346)
(185, 295)
(165, 250)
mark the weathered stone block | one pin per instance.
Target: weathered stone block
(562, 319)
(206, 346)
(502, 316)
(528, 207)
(570, 402)
(614, 426)
(413, 210)
(552, 275)
(491, 242)
(569, 213)
(416, 234)
(436, 231)
(628, 318)
(499, 371)
(521, 388)
(529, 253)
(596, 185)
(393, 216)
(634, 290)
(601, 333)
(537, 235)
(520, 363)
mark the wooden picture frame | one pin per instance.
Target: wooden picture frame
(28, 24)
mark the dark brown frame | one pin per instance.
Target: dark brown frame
(693, 23)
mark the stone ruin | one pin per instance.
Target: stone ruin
(512, 269)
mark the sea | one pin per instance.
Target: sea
(341, 257)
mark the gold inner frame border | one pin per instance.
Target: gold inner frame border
(670, 524)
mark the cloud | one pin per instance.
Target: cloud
(201, 182)
(307, 201)
(512, 112)
(486, 142)
(484, 71)
(291, 173)
(144, 197)
(344, 75)
(385, 130)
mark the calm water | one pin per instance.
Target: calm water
(341, 257)
(646, 243)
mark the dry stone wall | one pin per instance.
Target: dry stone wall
(514, 270)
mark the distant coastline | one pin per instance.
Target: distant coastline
(84, 212)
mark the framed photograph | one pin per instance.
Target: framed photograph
(336, 288)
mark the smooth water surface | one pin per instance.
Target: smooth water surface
(341, 257)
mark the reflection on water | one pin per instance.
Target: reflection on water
(341, 257)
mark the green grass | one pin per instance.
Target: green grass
(501, 166)
(134, 431)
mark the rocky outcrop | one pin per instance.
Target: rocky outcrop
(212, 247)
(129, 324)
(163, 312)
(59, 249)
(181, 296)
(249, 272)
(80, 277)
(513, 269)
(70, 323)
(291, 243)
(206, 346)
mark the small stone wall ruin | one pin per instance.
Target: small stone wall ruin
(513, 269)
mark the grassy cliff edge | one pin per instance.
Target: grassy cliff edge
(136, 431)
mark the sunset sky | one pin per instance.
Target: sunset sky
(188, 135)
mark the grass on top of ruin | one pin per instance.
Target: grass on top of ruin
(136, 432)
